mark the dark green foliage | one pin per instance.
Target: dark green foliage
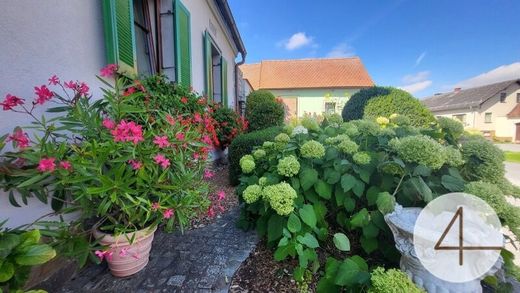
(399, 102)
(452, 129)
(258, 97)
(244, 144)
(355, 107)
(484, 161)
(265, 115)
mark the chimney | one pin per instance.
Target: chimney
(457, 89)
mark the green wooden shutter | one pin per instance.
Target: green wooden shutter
(224, 80)
(208, 66)
(118, 18)
(183, 44)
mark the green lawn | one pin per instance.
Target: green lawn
(513, 157)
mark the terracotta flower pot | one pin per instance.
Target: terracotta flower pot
(126, 259)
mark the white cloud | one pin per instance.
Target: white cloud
(420, 58)
(341, 50)
(417, 87)
(417, 82)
(501, 73)
(297, 40)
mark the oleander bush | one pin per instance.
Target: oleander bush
(244, 144)
(400, 102)
(314, 190)
(355, 107)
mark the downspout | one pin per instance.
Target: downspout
(242, 61)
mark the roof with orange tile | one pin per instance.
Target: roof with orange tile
(307, 73)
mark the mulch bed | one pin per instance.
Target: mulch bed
(219, 182)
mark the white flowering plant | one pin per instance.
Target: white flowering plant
(325, 189)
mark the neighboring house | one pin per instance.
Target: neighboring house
(309, 86)
(493, 109)
(193, 42)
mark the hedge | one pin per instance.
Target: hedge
(265, 115)
(244, 144)
(355, 106)
(258, 97)
(399, 102)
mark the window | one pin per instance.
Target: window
(216, 86)
(145, 38)
(518, 98)
(460, 117)
(503, 97)
(488, 117)
(330, 107)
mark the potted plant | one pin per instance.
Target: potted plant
(127, 169)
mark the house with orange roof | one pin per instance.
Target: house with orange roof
(309, 86)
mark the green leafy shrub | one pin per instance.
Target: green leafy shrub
(244, 144)
(19, 251)
(258, 97)
(399, 102)
(453, 129)
(333, 184)
(265, 115)
(390, 281)
(229, 125)
(355, 107)
(483, 161)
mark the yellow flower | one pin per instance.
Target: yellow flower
(382, 120)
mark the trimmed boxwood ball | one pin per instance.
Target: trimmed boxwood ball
(243, 145)
(355, 107)
(399, 102)
(265, 115)
(483, 161)
(258, 97)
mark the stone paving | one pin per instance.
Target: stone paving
(201, 260)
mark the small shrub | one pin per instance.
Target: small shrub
(244, 144)
(484, 161)
(228, 125)
(453, 129)
(355, 107)
(265, 115)
(258, 97)
(390, 281)
(399, 102)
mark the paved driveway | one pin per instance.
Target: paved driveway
(511, 147)
(513, 173)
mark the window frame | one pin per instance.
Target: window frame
(488, 115)
(503, 97)
(518, 98)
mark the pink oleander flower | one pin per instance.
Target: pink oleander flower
(123, 252)
(136, 165)
(66, 165)
(108, 70)
(109, 123)
(168, 213)
(43, 93)
(170, 119)
(180, 136)
(47, 164)
(162, 161)
(208, 174)
(211, 212)
(155, 206)
(161, 141)
(184, 100)
(82, 88)
(10, 102)
(221, 195)
(197, 118)
(206, 139)
(196, 156)
(129, 91)
(54, 80)
(21, 138)
(128, 131)
(100, 254)
(71, 85)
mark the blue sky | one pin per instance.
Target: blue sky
(422, 46)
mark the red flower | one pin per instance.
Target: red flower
(54, 80)
(155, 206)
(47, 164)
(170, 119)
(108, 70)
(109, 123)
(82, 88)
(129, 91)
(71, 85)
(128, 131)
(10, 102)
(162, 161)
(184, 100)
(136, 165)
(180, 136)
(161, 141)
(66, 165)
(20, 137)
(168, 213)
(43, 93)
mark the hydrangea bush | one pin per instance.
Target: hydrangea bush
(315, 186)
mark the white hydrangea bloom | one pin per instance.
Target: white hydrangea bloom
(299, 130)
